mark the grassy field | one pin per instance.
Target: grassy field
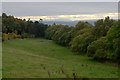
(41, 58)
(0, 58)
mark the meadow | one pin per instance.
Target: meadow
(42, 58)
(0, 58)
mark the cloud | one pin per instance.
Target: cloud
(72, 17)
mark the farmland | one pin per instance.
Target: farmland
(41, 58)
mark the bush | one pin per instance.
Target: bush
(50, 31)
(24, 35)
(81, 42)
(16, 36)
(9, 36)
(4, 37)
(65, 39)
(100, 54)
(31, 36)
(96, 45)
(117, 49)
(80, 28)
(61, 34)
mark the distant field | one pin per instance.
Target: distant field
(41, 58)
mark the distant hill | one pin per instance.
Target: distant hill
(70, 23)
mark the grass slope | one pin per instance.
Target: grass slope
(0, 58)
(41, 58)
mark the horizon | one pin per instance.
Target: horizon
(60, 11)
(67, 22)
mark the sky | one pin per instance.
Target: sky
(59, 0)
(61, 11)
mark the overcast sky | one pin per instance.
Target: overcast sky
(60, 0)
(61, 10)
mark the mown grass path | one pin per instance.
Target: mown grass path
(41, 58)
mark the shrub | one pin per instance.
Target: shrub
(16, 36)
(65, 39)
(4, 37)
(96, 45)
(24, 35)
(100, 54)
(11, 36)
(31, 36)
(61, 34)
(81, 42)
(50, 31)
(80, 28)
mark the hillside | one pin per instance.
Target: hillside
(41, 58)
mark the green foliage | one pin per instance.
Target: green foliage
(113, 37)
(94, 46)
(10, 36)
(24, 35)
(100, 54)
(61, 34)
(102, 26)
(100, 41)
(82, 38)
(20, 27)
(65, 38)
(51, 31)
(79, 26)
(81, 42)
(107, 47)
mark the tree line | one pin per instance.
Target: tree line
(17, 28)
(101, 41)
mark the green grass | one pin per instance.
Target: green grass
(41, 58)
(0, 58)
